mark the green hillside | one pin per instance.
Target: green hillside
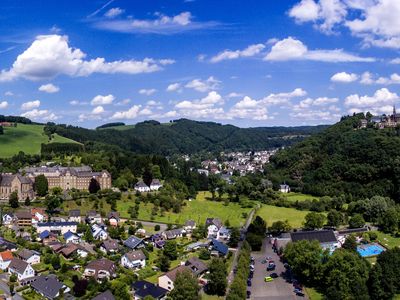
(26, 138)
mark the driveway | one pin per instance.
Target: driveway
(278, 289)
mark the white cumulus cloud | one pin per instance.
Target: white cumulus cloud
(3, 104)
(344, 77)
(30, 105)
(49, 88)
(147, 92)
(251, 50)
(200, 85)
(41, 115)
(102, 100)
(131, 113)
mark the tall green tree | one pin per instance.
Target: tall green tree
(41, 185)
(94, 186)
(13, 200)
(170, 250)
(335, 218)
(357, 221)
(186, 287)
(314, 220)
(217, 279)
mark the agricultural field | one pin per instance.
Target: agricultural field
(273, 213)
(27, 138)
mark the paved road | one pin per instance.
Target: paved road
(4, 278)
(279, 289)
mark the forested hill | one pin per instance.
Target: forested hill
(343, 160)
(186, 136)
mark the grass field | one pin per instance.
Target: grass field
(299, 197)
(273, 213)
(313, 294)
(124, 127)
(26, 138)
(388, 240)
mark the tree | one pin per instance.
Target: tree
(94, 186)
(13, 200)
(350, 243)
(345, 276)
(217, 279)
(1, 130)
(306, 259)
(204, 254)
(314, 220)
(89, 235)
(279, 226)
(55, 262)
(335, 218)
(164, 263)
(27, 201)
(234, 237)
(186, 287)
(357, 221)
(41, 185)
(156, 227)
(52, 202)
(170, 250)
(254, 240)
(258, 226)
(389, 222)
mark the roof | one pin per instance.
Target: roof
(196, 265)
(107, 295)
(133, 242)
(92, 213)
(6, 179)
(144, 288)
(69, 234)
(51, 224)
(74, 213)
(102, 264)
(140, 184)
(68, 249)
(190, 223)
(322, 236)
(44, 234)
(214, 221)
(18, 265)
(26, 254)
(220, 247)
(155, 182)
(48, 285)
(113, 214)
(7, 245)
(135, 255)
(110, 244)
(172, 274)
(6, 255)
(23, 214)
(173, 232)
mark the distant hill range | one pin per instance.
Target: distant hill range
(343, 159)
(185, 136)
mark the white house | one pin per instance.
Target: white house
(71, 237)
(284, 188)
(213, 226)
(113, 218)
(99, 232)
(155, 185)
(173, 233)
(22, 269)
(93, 217)
(141, 187)
(8, 218)
(166, 281)
(75, 216)
(5, 259)
(134, 260)
(189, 226)
(57, 227)
(29, 256)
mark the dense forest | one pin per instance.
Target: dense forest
(187, 137)
(343, 160)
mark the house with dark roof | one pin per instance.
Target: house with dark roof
(189, 225)
(57, 227)
(218, 248)
(134, 260)
(74, 215)
(157, 240)
(197, 266)
(110, 246)
(48, 286)
(107, 295)
(71, 237)
(141, 187)
(100, 269)
(155, 185)
(24, 218)
(7, 245)
(166, 281)
(326, 238)
(93, 216)
(173, 233)
(114, 218)
(142, 288)
(30, 256)
(22, 269)
(213, 226)
(67, 250)
(134, 243)
(8, 218)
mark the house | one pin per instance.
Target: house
(100, 269)
(29, 256)
(155, 185)
(38, 215)
(113, 218)
(196, 266)
(99, 232)
(24, 218)
(213, 226)
(57, 227)
(49, 286)
(107, 295)
(218, 248)
(134, 260)
(326, 238)
(93, 217)
(134, 243)
(157, 240)
(284, 188)
(141, 187)
(109, 246)
(85, 249)
(196, 245)
(166, 281)
(224, 233)
(8, 218)
(142, 289)
(67, 250)
(5, 259)
(173, 233)
(7, 245)
(71, 237)
(22, 269)
(189, 226)
(74, 215)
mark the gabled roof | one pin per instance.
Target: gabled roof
(102, 264)
(18, 265)
(107, 295)
(135, 255)
(26, 254)
(74, 213)
(23, 214)
(144, 288)
(155, 182)
(141, 184)
(7, 245)
(56, 224)
(44, 234)
(220, 247)
(190, 223)
(196, 265)
(214, 221)
(133, 242)
(47, 285)
(322, 236)
(110, 245)
(6, 255)
(113, 214)
(69, 234)
(68, 249)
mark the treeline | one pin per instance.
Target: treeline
(61, 148)
(342, 159)
(114, 124)
(187, 137)
(15, 119)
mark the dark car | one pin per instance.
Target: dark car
(251, 274)
(300, 294)
(271, 267)
(248, 293)
(248, 282)
(274, 275)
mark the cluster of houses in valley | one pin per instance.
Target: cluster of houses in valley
(239, 163)
(60, 234)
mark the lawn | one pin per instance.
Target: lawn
(299, 197)
(313, 294)
(273, 213)
(27, 138)
(388, 240)
(198, 210)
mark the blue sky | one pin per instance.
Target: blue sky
(257, 63)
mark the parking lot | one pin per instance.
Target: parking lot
(277, 289)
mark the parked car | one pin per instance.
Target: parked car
(268, 279)
(264, 261)
(274, 275)
(248, 282)
(248, 293)
(271, 267)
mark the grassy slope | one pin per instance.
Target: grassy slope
(26, 138)
(273, 213)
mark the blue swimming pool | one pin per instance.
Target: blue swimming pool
(370, 250)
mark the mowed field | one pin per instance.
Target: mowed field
(274, 213)
(26, 138)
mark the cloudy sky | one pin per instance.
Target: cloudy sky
(248, 63)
